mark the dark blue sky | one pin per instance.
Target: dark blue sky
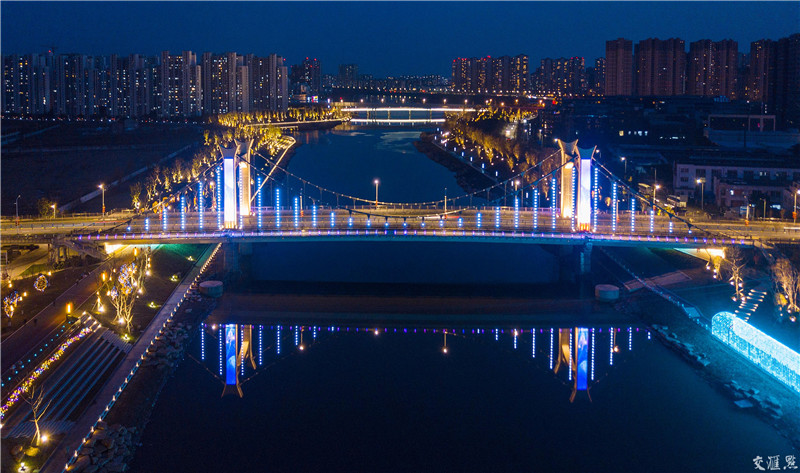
(384, 38)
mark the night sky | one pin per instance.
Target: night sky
(383, 38)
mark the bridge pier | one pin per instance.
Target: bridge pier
(585, 260)
(230, 257)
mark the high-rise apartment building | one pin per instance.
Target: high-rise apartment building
(181, 84)
(596, 79)
(519, 77)
(348, 75)
(561, 77)
(711, 68)
(660, 67)
(619, 67)
(787, 81)
(219, 82)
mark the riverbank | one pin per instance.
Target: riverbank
(468, 179)
(727, 371)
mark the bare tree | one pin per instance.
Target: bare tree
(136, 194)
(786, 279)
(737, 267)
(35, 398)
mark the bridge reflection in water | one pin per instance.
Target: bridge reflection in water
(578, 357)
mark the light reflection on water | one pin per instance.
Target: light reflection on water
(571, 354)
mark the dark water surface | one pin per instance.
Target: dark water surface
(356, 401)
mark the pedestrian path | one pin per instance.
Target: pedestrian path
(749, 303)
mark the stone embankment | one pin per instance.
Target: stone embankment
(107, 450)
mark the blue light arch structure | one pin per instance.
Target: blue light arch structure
(770, 355)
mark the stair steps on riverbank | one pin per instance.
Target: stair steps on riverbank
(749, 303)
(68, 386)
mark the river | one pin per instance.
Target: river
(355, 377)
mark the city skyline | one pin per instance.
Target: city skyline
(416, 43)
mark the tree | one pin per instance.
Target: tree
(45, 207)
(785, 277)
(738, 264)
(136, 194)
(35, 398)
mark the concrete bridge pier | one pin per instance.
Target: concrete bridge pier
(230, 257)
(585, 260)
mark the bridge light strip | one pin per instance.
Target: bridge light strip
(652, 219)
(497, 217)
(478, 220)
(278, 343)
(551, 348)
(241, 342)
(533, 343)
(670, 224)
(259, 204)
(333, 219)
(314, 215)
(369, 221)
(219, 197)
(630, 339)
(611, 348)
(515, 339)
(595, 198)
(296, 335)
(203, 343)
(200, 204)
(592, 368)
(516, 212)
(553, 203)
(496, 334)
(260, 345)
(221, 336)
(536, 209)
(183, 212)
(147, 224)
(460, 222)
(574, 200)
(613, 207)
(441, 222)
(296, 212)
(633, 214)
(163, 217)
(277, 208)
(350, 221)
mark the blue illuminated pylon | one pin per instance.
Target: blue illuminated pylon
(533, 343)
(260, 219)
(219, 197)
(478, 220)
(595, 198)
(497, 217)
(278, 343)
(516, 212)
(240, 199)
(652, 219)
(570, 355)
(221, 341)
(551, 348)
(670, 224)
(260, 345)
(553, 203)
(163, 217)
(183, 212)
(333, 219)
(147, 224)
(611, 347)
(441, 222)
(296, 212)
(592, 369)
(460, 222)
(277, 208)
(536, 208)
(614, 207)
(200, 204)
(202, 343)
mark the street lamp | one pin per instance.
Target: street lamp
(103, 190)
(625, 163)
(54, 210)
(376, 182)
(655, 190)
(16, 206)
(794, 214)
(702, 182)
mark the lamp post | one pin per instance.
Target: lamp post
(794, 214)
(702, 182)
(54, 210)
(376, 182)
(16, 208)
(655, 191)
(103, 193)
(625, 163)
